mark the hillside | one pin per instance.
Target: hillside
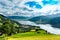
(40, 19)
(18, 17)
(8, 26)
(55, 22)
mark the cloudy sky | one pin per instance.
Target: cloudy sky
(29, 8)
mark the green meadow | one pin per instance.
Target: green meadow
(31, 36)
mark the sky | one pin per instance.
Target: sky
(29, 8)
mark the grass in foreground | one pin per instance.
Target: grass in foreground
(33, 36)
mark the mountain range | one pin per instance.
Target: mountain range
(54, 20)
(44, 19)
(37, 19)
(18, 17)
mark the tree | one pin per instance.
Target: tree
(7, 27)
(10, 28)
(15, 28)
(37, 29)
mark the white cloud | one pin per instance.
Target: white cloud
(46, 27)
(18, 5)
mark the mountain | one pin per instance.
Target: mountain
(44, 19)
(8, 26)
(18, 17)
(40, 19)
(4, 19)
(55, 22)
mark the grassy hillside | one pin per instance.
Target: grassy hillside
(8, 26)
(34, 36)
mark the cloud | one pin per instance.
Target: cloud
(46, 27)
(50, 29)
(17, 8)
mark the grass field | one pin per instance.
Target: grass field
(33, 36)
